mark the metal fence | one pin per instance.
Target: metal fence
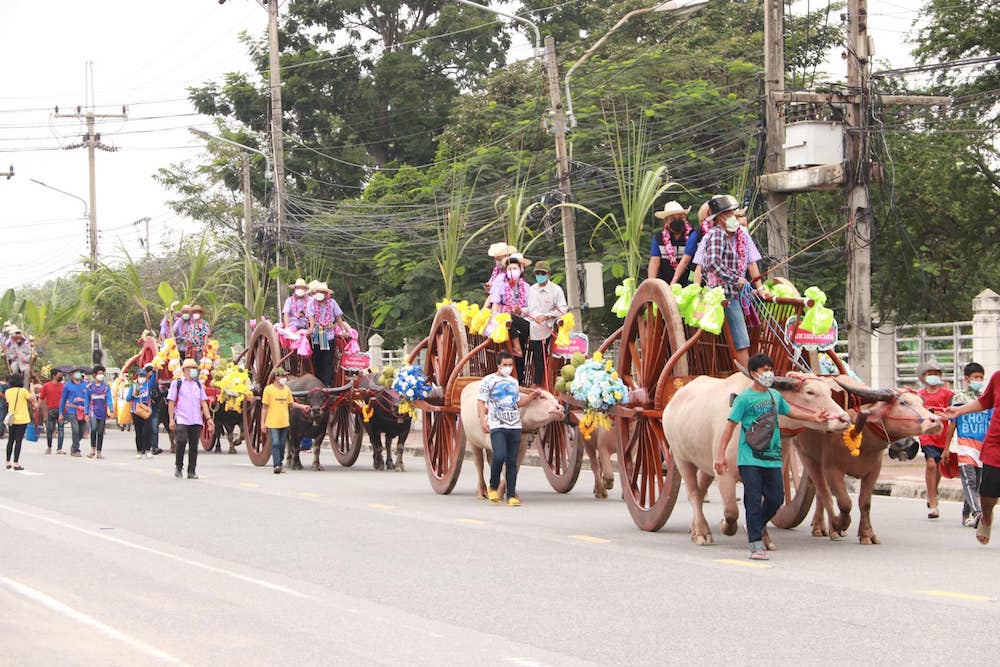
(948, 343)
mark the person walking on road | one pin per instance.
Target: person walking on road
(98, 407)
(989, 488)
(139, 397)
(758, 456)
(187, 403)
(50, 397)
(499, 417)
(965, 440)
(276, 401)
(73, 406)
(936, 397)
(22, 404)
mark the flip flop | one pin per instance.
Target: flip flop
(18, 467)
(983, 532)
(760, 554)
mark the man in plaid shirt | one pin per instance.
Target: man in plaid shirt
(726, 256)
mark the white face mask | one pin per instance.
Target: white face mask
(99, 377)
(320, 296)
(300, 292)
(282, 381)
(732, 224)
(185, 316)
(932, 380)
(766, 378)
(514, 272)
(196, 316)
(193, 373)
(505, 370)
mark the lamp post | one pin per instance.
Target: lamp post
(675, 7)
(247, 216)
(86, 214)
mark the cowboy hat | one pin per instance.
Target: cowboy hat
(317, 286)
(703, 212)
(672, 208)
(519, 258)
(542, 267)
(498, 250)
(197, 309)
(720, 204)
(189, 363)
(299, 282)
(186, 308)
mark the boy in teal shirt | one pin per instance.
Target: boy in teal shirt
(760, 470)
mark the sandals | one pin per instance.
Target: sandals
(760, 554)
(91, 455)
(17, 466)
(983, 532)
(932, 512)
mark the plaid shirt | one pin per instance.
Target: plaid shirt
(722, 263)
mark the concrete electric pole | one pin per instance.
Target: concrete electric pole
(277, 137)
(562, 170)
(247, 250)
(774, 161)
(92, 140)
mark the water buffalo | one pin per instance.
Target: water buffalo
(693, 421)
(310, 423)
(894, 414)
(386, 421)
(534, 415)
(226, 421)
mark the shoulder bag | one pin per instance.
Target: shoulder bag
(760, 433)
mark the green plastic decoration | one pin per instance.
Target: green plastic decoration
(818, 319)
(685, 303)
(711, 314)
(624, 292)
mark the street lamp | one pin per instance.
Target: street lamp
(675, 7)
(211, 137)
(86, 212)
(539, 51)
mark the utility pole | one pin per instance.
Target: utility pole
(774, 83)
(562, 170)
(859, 263)
(247, 235)
(277, 139)
(92, 141)
(853, 174)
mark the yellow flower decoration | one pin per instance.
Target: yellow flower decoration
(367, 411)
(852, 441)
(565, 329)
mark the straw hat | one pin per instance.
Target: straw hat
(186, 308)
(498, 250)
(189, 363)
(317, 286)
(299, 282)
(519, 258)
(197, 309)
(703, 212)
(672, 208)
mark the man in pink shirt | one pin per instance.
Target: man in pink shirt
(188, 407)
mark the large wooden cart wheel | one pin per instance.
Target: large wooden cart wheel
(799, 488)
(653, 330)
(345, 431)
(261, 356)
(444, 444)
(560, 450)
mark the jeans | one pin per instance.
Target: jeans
(279, 438)
(14, 440)
(737, 324)
(182, 435)
(76, 429)
(971, 476)
(154, 429)
(763, 494)
(97, 433)
(506, 444)
(51, 426)
(141, 433)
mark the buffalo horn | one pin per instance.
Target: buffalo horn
(866, 394)
(786, 383)
(742, 369)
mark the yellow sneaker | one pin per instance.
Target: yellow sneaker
(494, 496)
(513, 502)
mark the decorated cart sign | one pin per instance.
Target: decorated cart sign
(578, 342)
(356, 361)
(801, 338)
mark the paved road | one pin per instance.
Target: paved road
(115, 562)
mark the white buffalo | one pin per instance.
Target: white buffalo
(534, 415)
(693, 421)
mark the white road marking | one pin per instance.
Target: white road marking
(263, 583)
(380, 506)
(84, 619)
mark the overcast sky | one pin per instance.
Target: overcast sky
(145, 54)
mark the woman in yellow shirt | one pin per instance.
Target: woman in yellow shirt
(277, 400)
(21, 404)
